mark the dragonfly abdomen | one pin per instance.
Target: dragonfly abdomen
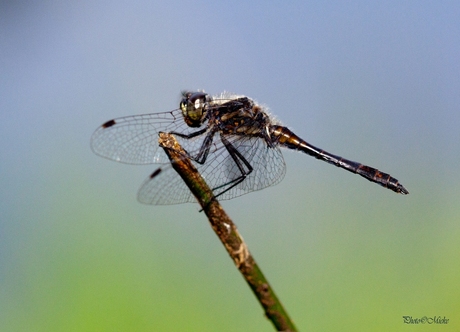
(288, 139)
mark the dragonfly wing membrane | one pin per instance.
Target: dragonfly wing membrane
(164, 187)
(134, 139)
(221, 171)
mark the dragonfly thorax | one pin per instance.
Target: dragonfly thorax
(194, 106)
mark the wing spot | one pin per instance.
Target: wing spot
(158, 171)
(108, 124)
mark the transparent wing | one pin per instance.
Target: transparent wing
(134, 139)
(165, 188)
(220, 172)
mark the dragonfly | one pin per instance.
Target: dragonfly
(232, 140)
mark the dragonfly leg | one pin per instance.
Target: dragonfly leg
(205, 147)
(239, 160)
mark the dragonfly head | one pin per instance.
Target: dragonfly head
(194, 107)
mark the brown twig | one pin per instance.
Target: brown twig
(228, 234)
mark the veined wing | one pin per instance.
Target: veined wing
(165, 187)
(220, 171)
(134, 139)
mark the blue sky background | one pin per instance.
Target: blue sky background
(375, 83)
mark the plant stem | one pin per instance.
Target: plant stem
(228, 234)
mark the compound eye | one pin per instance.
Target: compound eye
(199, 104)
(193, 107)
(183, 107)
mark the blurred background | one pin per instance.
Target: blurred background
(376, 83)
